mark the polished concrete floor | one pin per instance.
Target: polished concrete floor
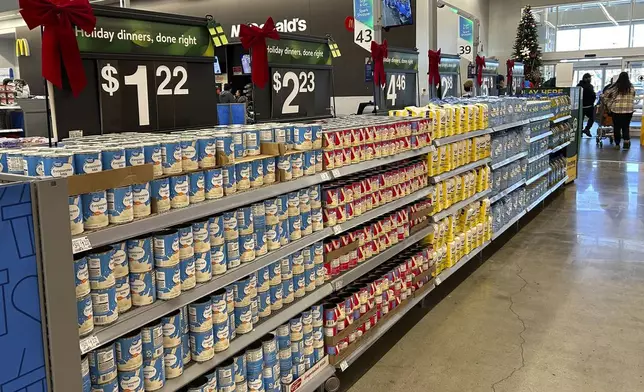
(559, 307)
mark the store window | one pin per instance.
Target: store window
(567, 40)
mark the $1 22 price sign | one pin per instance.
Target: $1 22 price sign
(293, 92)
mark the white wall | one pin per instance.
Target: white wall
(8, 53)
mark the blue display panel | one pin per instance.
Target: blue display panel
(22, 363)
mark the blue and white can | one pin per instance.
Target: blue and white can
(297, 164)
(221, 332)
(152, 155)
(186, 241)
(139, 254)
(189, 159)
(101, 268)
(102, 365)
(134, 155)
(219, 306)
(104, 305)
(110, 386)
(283, 335)
(297, 351)
(276, 296)
(288, 294)
(160, 197)
(168, 280)
(293, 207)
(141, 200)
(94, 210)
(230, 298)
(299, 285)
(200, 384)
(279, 134)
(202, 345)
(85, 161)
(112, 157)
(254, 359)
(81, 276)
(230, 180)
(259, 237)
(256, 173)
(295, 227)
(243, 291)
(284, 234)
(200, 315)
(129, 352)
(304, 199)
(243, 319)
(270, 210)
(275, 273)
(154, 373)
(152, 340)
(308, 163)
(251, 142)
(269, 166)
(258, 211)
(240, 367)
(214, 184)
(286, 265)
(297, 262)
(185, 343)
(232, 324)
(309, 279)
(14, 158)
(179, 191)
(284, 166)
(244, 221)
(173, 361)
(226, 149)
(302, 137)
(272, 237)
(242, 174)
(282, 207)
(3, 163)
(320, 274)
(143, 287)
(264, 304)
(307, 257)
(123, 294)
(232, 254)
(87, 383)
(318, 161)
(271, 378)
(166, 248)
(316, 136)
(317, 222)
(206, 151)
(218, 259)
(306, 222)
(266, 134)
(263, 279)
(171, 156)
(197, 190)
(216, 224)
(75, 215)
(247, 247)
(85, 315)
(171, 325)
(226, 376)
(120, 205)
(55, 164)
(203, 267)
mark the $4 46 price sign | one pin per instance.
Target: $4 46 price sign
(293, 92)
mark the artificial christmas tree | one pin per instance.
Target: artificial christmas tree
(526, 46)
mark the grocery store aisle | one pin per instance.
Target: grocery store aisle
(557, 308)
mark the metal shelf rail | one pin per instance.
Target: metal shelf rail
(515, 124)
(537, 157)
(509, 160)
(561, 119)
(538, 176)
(464, 136)
(559, 147)
(539, 137)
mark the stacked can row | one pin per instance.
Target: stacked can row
(506, 144)
(451, 118)
(537, 167)
(457, 235)
(346, 143)
(355, 195)
(537, 128)
(461, 187)
(561, 133)
(457, 154)
(508, 175)
(382, 289)
(372, 238)
(141, 270)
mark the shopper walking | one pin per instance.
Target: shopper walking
(589, 97)
(620, 98)
(226, 96)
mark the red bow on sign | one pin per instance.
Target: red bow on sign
(434, 60)
(378, 54)
(254, 38)
(59, 40)
(480, 64)
(510, 64)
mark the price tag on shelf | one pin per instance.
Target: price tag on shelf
(88, 344)
(438, 281)
(325, 176)
(338, 285)
(336, 173)
(81, 244)
(344, 365)
(337, 229)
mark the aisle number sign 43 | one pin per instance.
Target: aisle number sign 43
(301, 83)
(396, 84)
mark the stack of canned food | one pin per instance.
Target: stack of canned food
(506, 144)
(383, 289)
(456, 117)
(373, 238)
(460, 187)
(537, 167)
(353, 140)
(508, 207)
(537, 128)
(457, 235)
(351, 197)
(457, 154)
(561, 133)
(508, 175)
(137, 272)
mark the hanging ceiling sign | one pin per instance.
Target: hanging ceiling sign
(363, 32)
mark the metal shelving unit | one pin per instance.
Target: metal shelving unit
(507, 161)
(450, 271)
(538, 176)
(464, 136)
(454, 209)
(507, 191)
(459, 170)
(559, 147)
(539, 137)
(537, 157)
(546, 194)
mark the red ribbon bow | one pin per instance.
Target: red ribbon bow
(254, 38)
(434, 60)
(480, 64)
(510, 64)
(378, 54)
(59, 40)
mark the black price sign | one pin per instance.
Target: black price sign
(449, 70)
(300, 93)
(400, 90)
(449, 86)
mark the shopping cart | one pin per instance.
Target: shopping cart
(604, 124)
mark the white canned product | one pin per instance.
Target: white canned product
(85, 315)
(142, 206)
(75, 215)
(123, 294)
(104, 306)
(119, 205)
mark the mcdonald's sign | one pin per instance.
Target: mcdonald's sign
(22, 48)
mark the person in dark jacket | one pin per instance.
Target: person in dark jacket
(226, 96)
(589, 97)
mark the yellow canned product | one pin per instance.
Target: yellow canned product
(479, 235)
(475, 124)
(450, 255)
(449, 192)
(465, 120)
(458, 119)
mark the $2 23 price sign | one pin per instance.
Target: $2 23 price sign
(150, 95)
(300, 93)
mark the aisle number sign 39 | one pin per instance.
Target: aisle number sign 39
(363, 32)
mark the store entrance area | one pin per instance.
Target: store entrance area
(557, 308)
